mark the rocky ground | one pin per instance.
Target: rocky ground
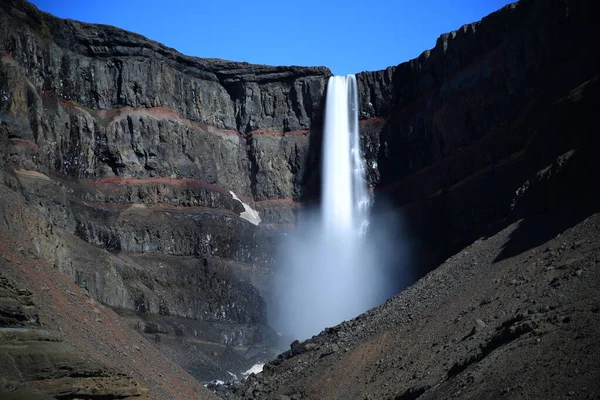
(37, 364)
(515, 315)
(206, 350)
(57, 341)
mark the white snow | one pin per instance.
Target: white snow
(249, 214)
(233, 376)
(255, 369)
(215, 382)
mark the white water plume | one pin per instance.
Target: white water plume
(328, 270)
(346, 201)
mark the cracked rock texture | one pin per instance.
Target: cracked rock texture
(133, 147)
(118, 156)
(42, 355)
(486, 144)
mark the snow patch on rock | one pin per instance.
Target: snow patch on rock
(249, 214)
(255, 369)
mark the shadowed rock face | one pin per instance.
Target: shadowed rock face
(451, 135)
(488, 323)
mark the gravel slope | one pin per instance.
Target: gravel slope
(515, 315)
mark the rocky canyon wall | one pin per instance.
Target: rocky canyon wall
(451, 135)
(128, 146)
(119, 156)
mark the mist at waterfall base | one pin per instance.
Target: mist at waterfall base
(340, 261)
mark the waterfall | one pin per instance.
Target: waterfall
(328, 271)
(346, 201)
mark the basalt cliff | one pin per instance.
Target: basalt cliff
(155, 186)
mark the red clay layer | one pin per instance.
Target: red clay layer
(68, 104)
(30, 144)
(372, 120)
(165, 113)
(5, 57)
(276, 202)
(117, 182)
(156, 207)
(278, 134)
(171, 114)
(114, 182)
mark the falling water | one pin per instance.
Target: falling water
(328, 270)
(346, 201)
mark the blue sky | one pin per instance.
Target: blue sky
(347, 37)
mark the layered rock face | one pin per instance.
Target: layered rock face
(45, 367)
(111, 103)
(450, 136)
(139, 165)
(135, 148)
(58, 342)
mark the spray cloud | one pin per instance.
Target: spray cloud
(329, 270)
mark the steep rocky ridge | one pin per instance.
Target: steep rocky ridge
(45, 367)
(513, 315)
(451, 135)
(488, 323)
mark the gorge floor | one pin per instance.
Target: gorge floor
(514, 315)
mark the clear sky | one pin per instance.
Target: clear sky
(347, 37)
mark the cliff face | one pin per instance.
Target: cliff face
(117, 95)
(450, 136)
(49, 365)
(133, 147)
(129, 166)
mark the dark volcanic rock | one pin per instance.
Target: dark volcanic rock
(491, 136)
(536, 309)
(103, 67)
(56, 341)
(101, 102)
(122, 162)
(460, 128)
(177, 281)
(133, 147)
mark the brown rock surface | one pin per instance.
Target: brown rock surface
(57, 341)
